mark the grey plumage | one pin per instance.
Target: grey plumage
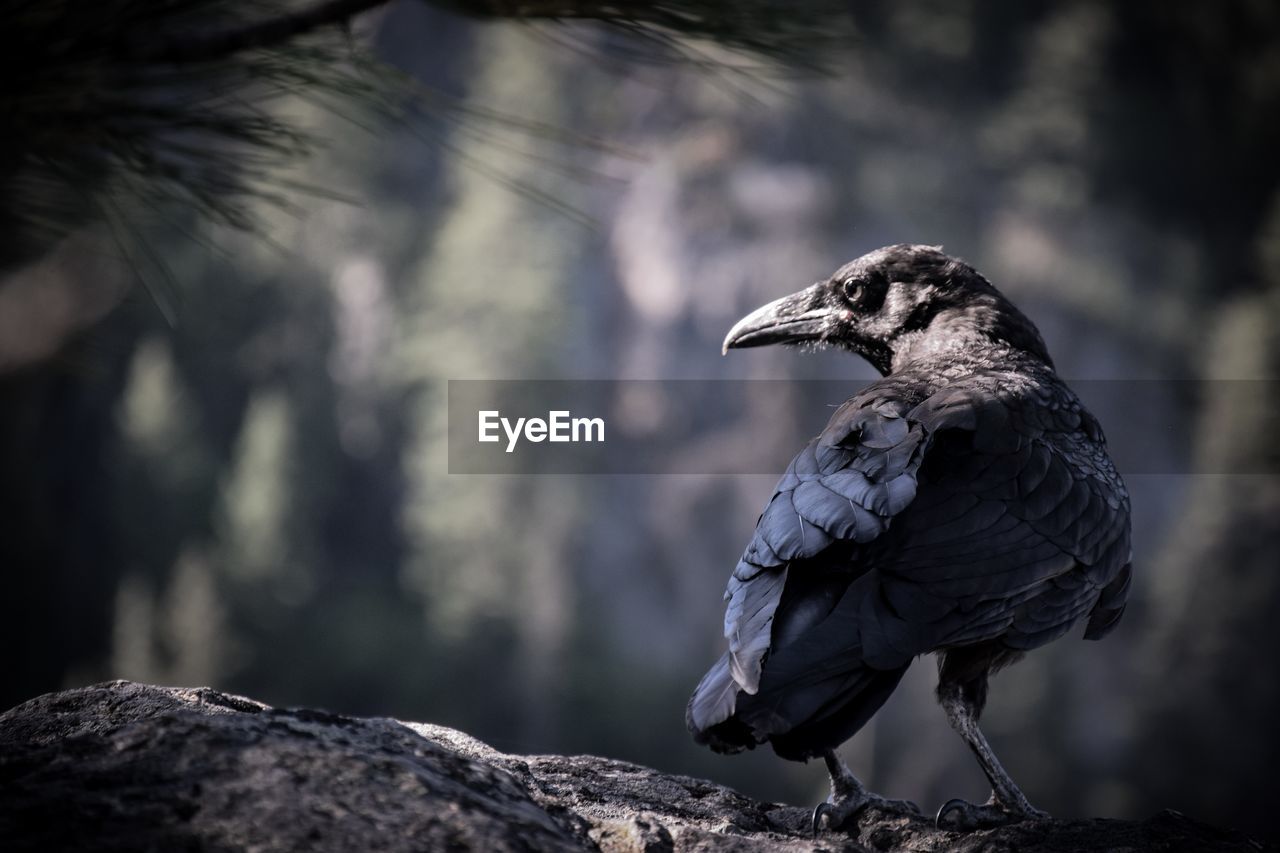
(964, 505)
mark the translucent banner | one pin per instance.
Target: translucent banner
(669, 427)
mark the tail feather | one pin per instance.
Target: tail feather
(815, 688)
(800, 720)
(710, 714)
(841, 717)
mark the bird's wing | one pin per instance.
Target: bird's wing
(1019, 528)
(968, 510)
(845, 485)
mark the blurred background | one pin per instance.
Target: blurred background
(234, 472)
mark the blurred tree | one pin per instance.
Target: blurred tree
(1207, 685)
(162, 120)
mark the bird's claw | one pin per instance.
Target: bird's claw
(821, 811)
(837, 814)
(970, 816)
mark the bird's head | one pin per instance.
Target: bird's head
(892, 306)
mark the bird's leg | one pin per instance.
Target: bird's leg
(849, 797)
(1007, 804)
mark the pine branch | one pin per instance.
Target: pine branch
(210, 47)
(111, 104)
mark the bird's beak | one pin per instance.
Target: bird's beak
(792, 319)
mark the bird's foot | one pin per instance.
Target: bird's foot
(958, 814)
(835, 813)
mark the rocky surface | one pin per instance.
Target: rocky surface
(125, 766)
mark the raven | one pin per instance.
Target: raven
(964, 505)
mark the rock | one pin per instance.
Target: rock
(124, 766)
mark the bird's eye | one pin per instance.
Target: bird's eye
(853, 289)
(864, 293)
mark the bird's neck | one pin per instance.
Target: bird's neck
(986, 334)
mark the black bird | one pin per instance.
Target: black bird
(963, 505)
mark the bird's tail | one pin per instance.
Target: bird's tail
(709, 714)
(801, 716)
